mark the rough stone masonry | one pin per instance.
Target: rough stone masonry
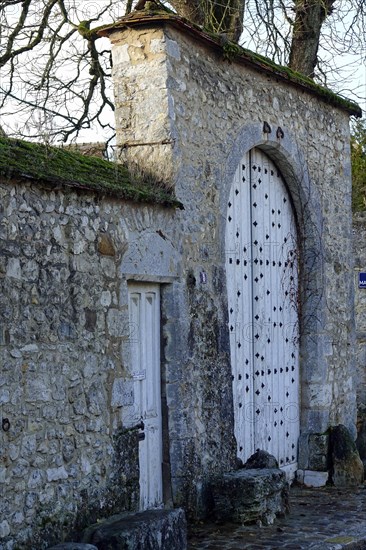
(181, 104)
(68, 451)
(67, 459)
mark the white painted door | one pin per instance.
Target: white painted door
(144, 313)
(262, 282)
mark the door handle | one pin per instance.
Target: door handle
(141, 436)
(139, 426)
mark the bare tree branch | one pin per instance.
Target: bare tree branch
(55, 70)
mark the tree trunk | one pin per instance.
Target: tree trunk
(309, 18)
(218, 16)
(225, 17)
(190, 9)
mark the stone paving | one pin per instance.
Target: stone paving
(326, 518)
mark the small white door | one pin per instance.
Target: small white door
(144, 314)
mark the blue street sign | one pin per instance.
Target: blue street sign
(362, 280)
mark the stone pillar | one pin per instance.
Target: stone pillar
(143, 108)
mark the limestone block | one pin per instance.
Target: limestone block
(4, 396)
(151, 530)
(172, 49)
(14, 269)
(4, 529)
(68, 449)
(35, 479)
(347, 466)
(247, 496)
(117, 324)
(313, 478)
(122, 392)
(303, 455)
(318, 452)
(317, 421)
(56, 474)
(2, 474)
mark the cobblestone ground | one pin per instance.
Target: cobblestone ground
(326, 518)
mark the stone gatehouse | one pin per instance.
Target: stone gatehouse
(149, 340)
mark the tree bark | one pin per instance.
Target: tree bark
(309, 18)
(190, 9)
(218, 16)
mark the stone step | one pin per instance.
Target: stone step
(149, 530)
(249, 496)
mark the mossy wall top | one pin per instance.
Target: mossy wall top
(64, 168)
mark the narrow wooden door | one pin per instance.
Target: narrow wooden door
(262, 282)
(144, 314)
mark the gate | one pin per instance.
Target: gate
(262, 283)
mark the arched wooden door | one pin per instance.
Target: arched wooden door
(262, 283)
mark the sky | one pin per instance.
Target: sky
(350, 82)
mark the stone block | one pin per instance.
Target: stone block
(315, 479)
(259, 460)
(318, 452)
(122, 392)
(56, 474)
(318, 443)
(14, 269)
(248, 496)
(149, 530)
(317, 420)
(300, 476)
(303, 458)
(347, 466)
(4, 529)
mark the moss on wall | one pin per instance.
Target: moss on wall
(232, 52)
(60, 167)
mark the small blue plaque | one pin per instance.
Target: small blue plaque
(362, 280)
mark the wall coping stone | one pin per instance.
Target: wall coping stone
(232, 53)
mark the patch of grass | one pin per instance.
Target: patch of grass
(340, 540)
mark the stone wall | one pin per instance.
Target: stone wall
(178, 99)
(202, 113)
(187, 115)
(359, 248)
(67, 456)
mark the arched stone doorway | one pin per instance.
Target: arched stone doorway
(262, 283)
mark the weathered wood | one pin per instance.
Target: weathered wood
(261, 263)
